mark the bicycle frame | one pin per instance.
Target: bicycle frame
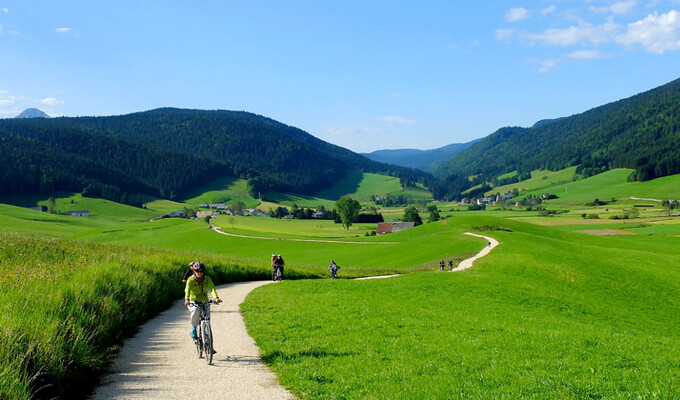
(204, 341)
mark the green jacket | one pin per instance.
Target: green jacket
(198, 291)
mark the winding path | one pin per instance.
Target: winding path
(160, 361)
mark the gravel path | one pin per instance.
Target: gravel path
(467, 263)
(160, 362)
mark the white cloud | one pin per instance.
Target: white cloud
(63, 30)
(621, 7)
(547, 65)
(396, 120)
(548, 10)
(585, 55)
(657, 33)
(4, 10)
(584, 33)
(516, 14)
(395, 95)
(504, 34)
(6, 98)
(51, 101)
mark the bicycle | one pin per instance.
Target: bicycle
(277, 275)
(204, 339)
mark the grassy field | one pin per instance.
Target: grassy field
(548, 314)
(226, 190)
(540, 179)
(65, 307)
(551, 313)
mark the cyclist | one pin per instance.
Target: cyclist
(196, 290)
(279, 264)
(334, 269)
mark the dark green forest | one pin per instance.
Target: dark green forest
(167, 152)
(640, 132)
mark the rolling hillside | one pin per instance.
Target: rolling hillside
(640, 133)
(167, 152)
(425, 160)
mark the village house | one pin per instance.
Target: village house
(392, 227)
(260, 213)
(317, 214)
(79, 213)
(203, 214)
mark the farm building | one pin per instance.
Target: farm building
(392, 227)
(79, 213)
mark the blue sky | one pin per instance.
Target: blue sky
(365, 75)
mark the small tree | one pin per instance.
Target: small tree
(348, 209)
(411, 215)
(434, 216)
(51, 205)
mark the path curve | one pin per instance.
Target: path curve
(467, 263)
(160, 362)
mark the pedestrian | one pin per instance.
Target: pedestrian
(450, 264)
(334, 269)
(441, 265)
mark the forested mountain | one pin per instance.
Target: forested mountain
(640, 132)
(424, 160)
(166, 152)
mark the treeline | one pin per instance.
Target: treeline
(640, 133)
(167, 152)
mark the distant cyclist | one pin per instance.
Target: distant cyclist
(334, 269)
(196, 291)
(278, 264)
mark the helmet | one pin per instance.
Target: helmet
(199, 266)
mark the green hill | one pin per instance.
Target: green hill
(168, 152)
(640, 133)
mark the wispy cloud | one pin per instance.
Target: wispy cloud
(51, 101)
(504, 34)
(621, 7)
(584, 33)
(63, 30)
(548, 10)
(4, 10)
(396, 120)
(6, 98)
(516, 14)
(585, 55)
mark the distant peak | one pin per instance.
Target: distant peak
(32, 113)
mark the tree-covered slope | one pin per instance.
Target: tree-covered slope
(169, 151)
(640, 132)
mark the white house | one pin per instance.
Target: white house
(79, 213)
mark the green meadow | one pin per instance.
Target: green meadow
(553, 312)
(548, 314)
(540, 179)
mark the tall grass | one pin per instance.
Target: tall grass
(66, 306)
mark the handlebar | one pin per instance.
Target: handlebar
(198, 303)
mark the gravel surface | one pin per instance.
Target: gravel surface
(160, 362)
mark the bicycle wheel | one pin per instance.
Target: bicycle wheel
(207, 342)
(199, 342)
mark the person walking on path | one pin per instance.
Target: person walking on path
(450, 264)
(441, 265)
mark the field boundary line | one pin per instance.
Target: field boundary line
(218, 230)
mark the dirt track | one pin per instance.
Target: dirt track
(160, 362)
